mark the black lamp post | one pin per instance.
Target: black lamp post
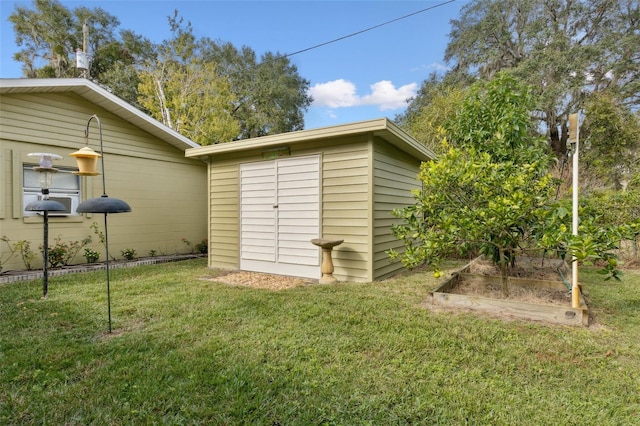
(45, 205)
(87, 159)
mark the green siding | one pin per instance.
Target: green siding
(166, 191)
(395, 175)
(224, 216)
(345, 208)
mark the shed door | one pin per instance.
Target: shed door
(280, 215)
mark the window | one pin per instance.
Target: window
(65, 188)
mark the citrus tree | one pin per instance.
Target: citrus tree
(491, 192)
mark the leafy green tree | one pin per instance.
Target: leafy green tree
(495, 118)
(617, 209)
(267, 96)
(610, 139)
(492, 192)
(49, 34)
(486, 193)
(117, 64)
(433, 107)
(564, 50)
(271, 95)
(185, 92)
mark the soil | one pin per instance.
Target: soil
(525, 268)
(516, 293)
(534, 269)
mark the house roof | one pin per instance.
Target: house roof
(381, 127)
(101, 97)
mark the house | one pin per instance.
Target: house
(270, 196)
(144, 163)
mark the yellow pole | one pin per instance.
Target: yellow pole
(574, 139)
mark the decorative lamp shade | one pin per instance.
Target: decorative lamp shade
(87, 160)
(103, 204)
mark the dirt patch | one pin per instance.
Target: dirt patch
(531, 269)
(534, 269)
(261, 280)
(517, 293)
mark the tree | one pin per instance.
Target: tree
(271, 95)
(564, 50)
(267, 96)
(485, 193)
(491, 193)
(48, 44)
(610, 138)
(185, 92)
(117, 64)
(429, 112)
(50, 33)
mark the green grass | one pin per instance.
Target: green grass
(191, 351)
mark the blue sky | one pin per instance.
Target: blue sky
(369, 75)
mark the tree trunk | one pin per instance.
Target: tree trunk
(503, 273)
(162, 101)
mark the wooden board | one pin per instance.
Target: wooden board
(530, 311)
(556, 314)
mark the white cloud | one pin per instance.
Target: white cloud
(334, 94)
(386, 96)
(342, 93)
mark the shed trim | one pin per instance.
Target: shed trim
(381, 127)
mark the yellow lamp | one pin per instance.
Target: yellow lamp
(87, 160)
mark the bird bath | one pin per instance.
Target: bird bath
(327, 246)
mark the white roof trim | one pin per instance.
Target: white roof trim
(101, 97)
(381, 127)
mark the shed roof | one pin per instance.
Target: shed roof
(381, 127)
(101, 97)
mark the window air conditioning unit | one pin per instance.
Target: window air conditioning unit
(65, 201)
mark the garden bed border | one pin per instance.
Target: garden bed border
(556, 314)
(26, 275)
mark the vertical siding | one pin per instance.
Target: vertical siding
(394, 176)
(166, 191)
(224, 219)
(345, 208)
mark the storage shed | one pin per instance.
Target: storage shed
(270, 196)
(144, 161)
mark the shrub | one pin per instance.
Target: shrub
(91, 255)
(203, 246)
(24, 248)
(5, 257)
(128, 253)
(188, 244)
(63, 253)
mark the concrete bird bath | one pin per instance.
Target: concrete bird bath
(327, 246)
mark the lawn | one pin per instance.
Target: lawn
(190, 351)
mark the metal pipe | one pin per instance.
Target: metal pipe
(45, 255)
(573, 135)
(86, 138)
